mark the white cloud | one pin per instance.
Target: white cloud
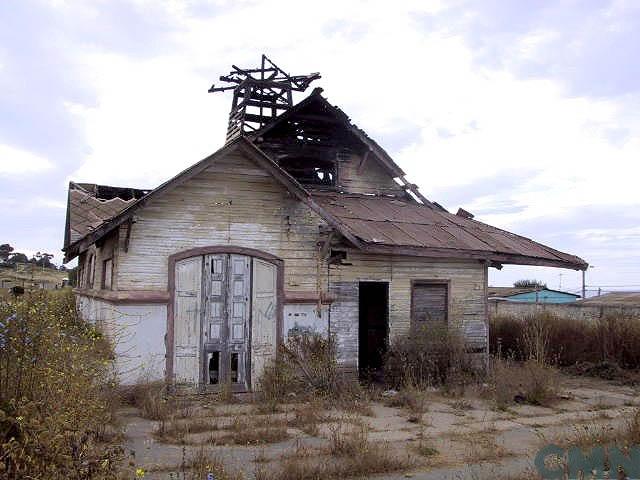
(154, 117)
(15, 161)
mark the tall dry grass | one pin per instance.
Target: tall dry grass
(56, 392)
(566, 342)
(306, 367)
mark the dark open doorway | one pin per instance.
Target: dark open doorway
(373, 329)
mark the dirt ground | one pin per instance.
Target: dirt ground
(461, 437)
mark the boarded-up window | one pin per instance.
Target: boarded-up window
(429, 303)
(107, 274)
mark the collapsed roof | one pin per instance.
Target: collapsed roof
(397, 225)
(91, 205)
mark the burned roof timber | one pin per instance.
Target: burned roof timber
(259, 95)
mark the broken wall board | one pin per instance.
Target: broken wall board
(303, 318)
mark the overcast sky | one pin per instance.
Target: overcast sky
(526, 113)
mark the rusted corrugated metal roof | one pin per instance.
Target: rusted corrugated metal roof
(391, 222)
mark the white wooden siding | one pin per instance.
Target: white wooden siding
(232, 203)
(466, 304)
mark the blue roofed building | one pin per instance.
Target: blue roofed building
(530, 294)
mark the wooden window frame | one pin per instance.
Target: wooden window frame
(80, 276)
(91, 270)
(103, 280)
(431, 281)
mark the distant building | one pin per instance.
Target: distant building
(614, 298)
(530, 294)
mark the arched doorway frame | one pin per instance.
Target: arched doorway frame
(221, 249)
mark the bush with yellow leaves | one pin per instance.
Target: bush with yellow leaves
(57, 389)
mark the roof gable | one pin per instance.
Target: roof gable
(109, 219)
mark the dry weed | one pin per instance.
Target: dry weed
(411, 398)
(526, 382)
(483, 447)
(350, 454)
(602, 346)
(200, 465)
(428, 357)
(261, 456)
(589, 434)
(307, 418)
(252, 431)
(306, 369)
(174, 430)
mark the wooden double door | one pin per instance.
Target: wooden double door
(225, 310)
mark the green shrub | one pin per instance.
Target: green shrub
(57, 395)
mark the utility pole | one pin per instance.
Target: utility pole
(583, 285)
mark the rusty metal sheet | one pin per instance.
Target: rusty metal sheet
(471, 240)
(367, 231)
(431, 235)
(397, 236)
(405, 212)
(395, 222)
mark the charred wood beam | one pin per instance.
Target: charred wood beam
(363, 161)
(323, 119)
(263, 104)
(214, 89)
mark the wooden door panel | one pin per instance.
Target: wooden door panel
(187, 320)
(227, 294)
(238, 301)
(264, 321)
(215, 298)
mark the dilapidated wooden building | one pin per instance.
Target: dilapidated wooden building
(299, 222)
